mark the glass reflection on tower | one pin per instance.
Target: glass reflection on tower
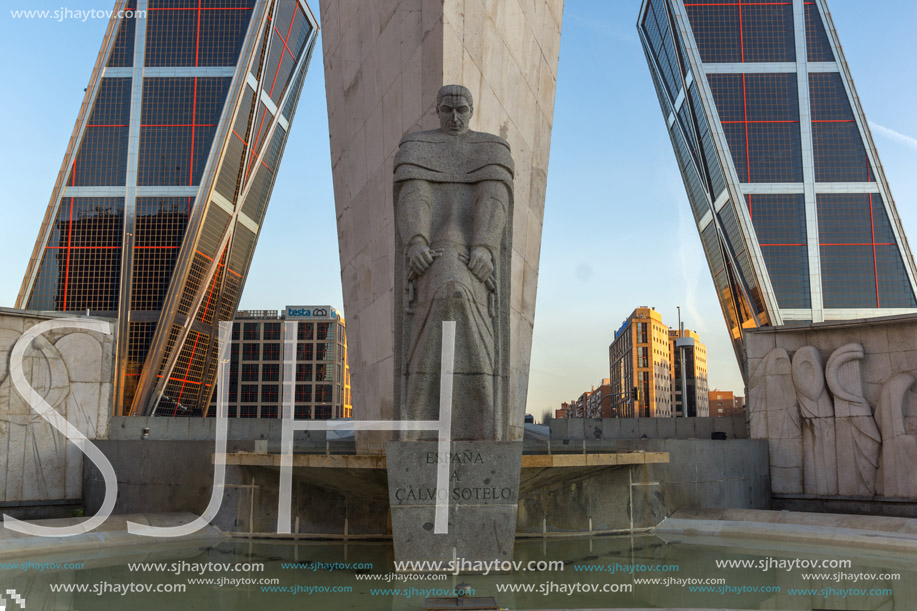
(165, 183)
(784, 181)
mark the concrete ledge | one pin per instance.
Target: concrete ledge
(866, 532)
(110, 536)
(328, 461)
(371, 461)
(872, 506)
(613, 429)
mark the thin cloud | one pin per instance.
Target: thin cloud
(896, 136)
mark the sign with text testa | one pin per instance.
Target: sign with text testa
(311, 312)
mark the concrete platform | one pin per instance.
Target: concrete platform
(365, 475)
(887, 534)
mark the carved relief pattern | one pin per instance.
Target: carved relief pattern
(775, 417)
(819, 446)
(898, 464)
(72, 371)
(825, 437)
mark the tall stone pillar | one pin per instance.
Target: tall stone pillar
(384, 62)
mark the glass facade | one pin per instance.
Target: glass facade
(778, 164)
(321, 374)
(165, 184)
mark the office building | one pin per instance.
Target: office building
(639, 358)
(256, 365)
(165, 183)
(695, 360)
(783, 178)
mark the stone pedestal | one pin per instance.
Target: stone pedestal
(483, 493)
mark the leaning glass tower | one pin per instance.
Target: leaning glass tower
(165, 182)
(784, 180)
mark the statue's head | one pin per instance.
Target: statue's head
(454, 105)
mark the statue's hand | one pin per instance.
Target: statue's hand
(420, 257)
(481, 263)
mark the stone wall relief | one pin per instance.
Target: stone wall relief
(72, 372)
(825, 438)
(819, 446)
(774, 414)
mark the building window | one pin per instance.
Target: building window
(303, 393)
(323, 352)
(271, 352)
(235, 332)
(323, 331)
(270, 372)
(269, 411)
(303, 372)
(305, 331)
(249, 393)
(248, 411)
(250, 372)
(252, 331)
(302, 412)
(303, 352)
(323, 393)
(269, 393)
(271, 330)
(251, 352)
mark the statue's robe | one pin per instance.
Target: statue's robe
(453, 193)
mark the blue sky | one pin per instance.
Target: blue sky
(618, 232)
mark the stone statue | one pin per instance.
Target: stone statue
(453, 200)
(858, 438)
(774, 415)
(897, 473)
(819, 448)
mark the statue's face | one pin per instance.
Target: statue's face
(454, 114)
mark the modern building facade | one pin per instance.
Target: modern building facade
(257, 372)
(165, 183)
(695, 380)
(639, 360)
(782, 175)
